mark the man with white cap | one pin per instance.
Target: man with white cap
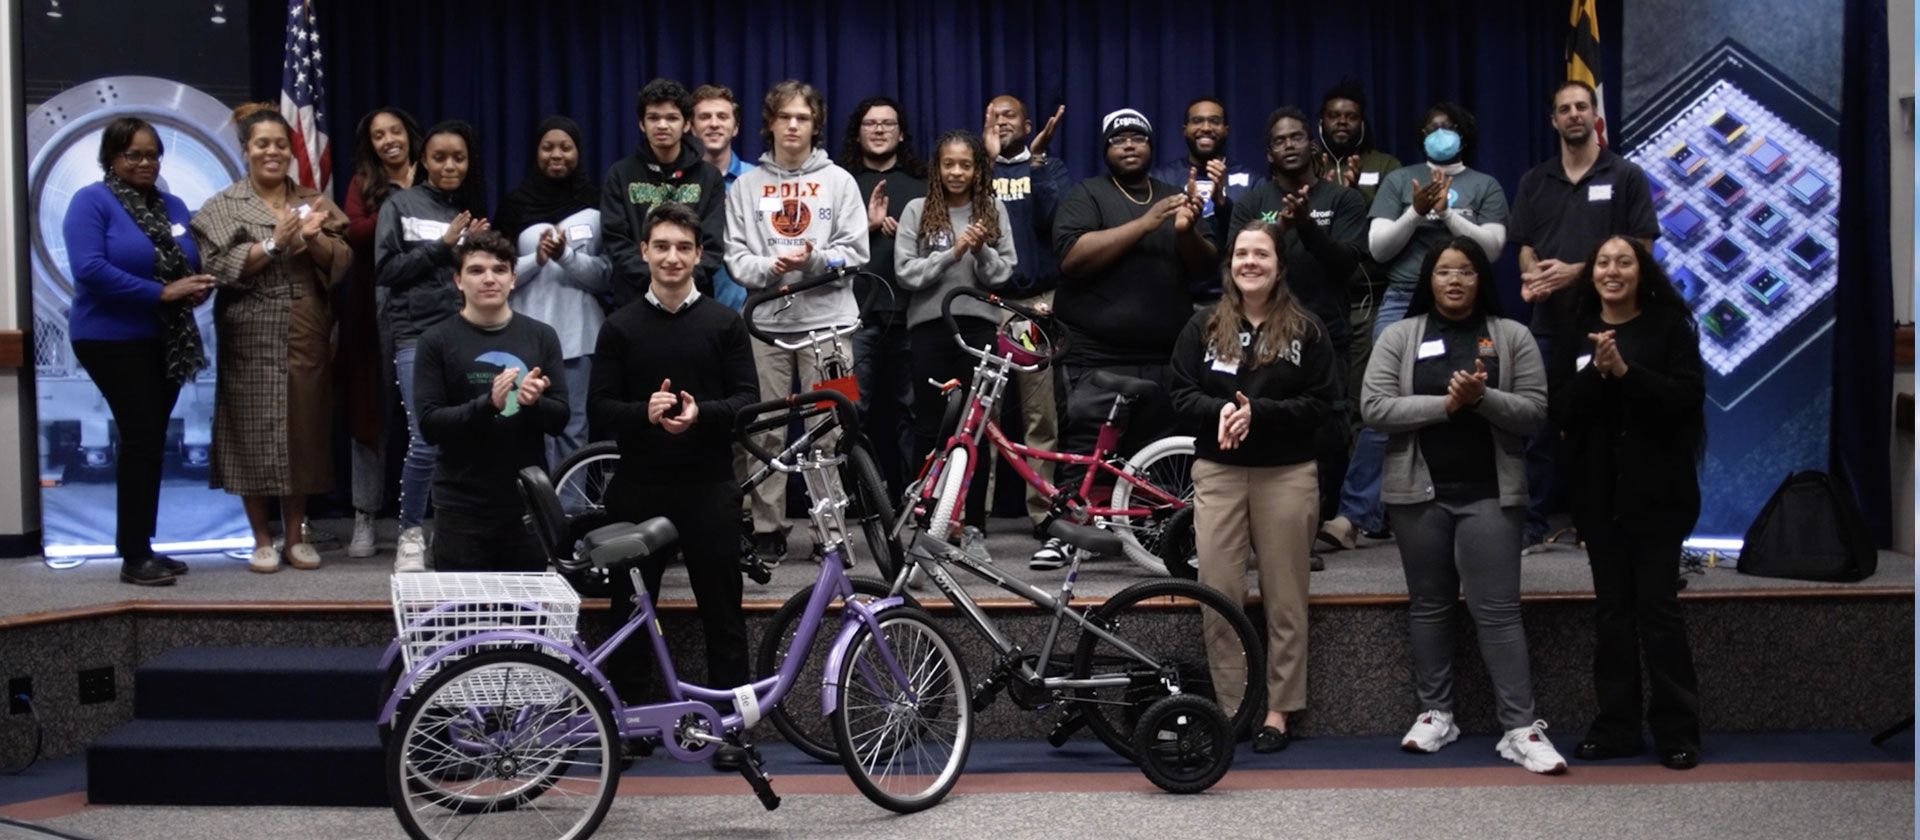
(1129, 255)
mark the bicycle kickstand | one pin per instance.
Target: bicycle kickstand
(756, 777)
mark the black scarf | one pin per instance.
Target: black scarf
(541, 199)
(178, 332)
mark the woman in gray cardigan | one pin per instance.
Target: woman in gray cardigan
(1457, 389)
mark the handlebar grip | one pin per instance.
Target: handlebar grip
(989, 298)
(849, 417)
(836, 271)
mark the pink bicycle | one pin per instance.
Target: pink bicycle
(1150, 507)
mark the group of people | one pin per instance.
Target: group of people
(1352, 292)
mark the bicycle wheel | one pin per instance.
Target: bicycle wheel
(805, 727)
(904, 745)
(1166, 463)
(508, 744)
(953, 478)
(581, 480)
(874, 510)
(1169, 621)
(1184, 742)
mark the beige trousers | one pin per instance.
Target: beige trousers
(1270, 513)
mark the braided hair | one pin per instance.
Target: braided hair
(933, 217)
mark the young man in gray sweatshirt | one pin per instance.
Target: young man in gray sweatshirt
(787, 220)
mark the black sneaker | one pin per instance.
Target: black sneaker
(1316, 563)
(771, 547)
(147, 571)
(1384, 533)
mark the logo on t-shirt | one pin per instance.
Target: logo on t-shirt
(501, 359)
(791, 219)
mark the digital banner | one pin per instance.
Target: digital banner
(1742, 159)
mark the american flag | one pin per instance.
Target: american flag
(302, 88)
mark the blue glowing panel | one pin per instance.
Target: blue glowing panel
(1807, 186)
(1725, 254)
(1724, 321)
(1809, 253)
(1689, 284)
(1659, 189)
(1684, 161)
(1725, 190)
(1683, 223)
(1766, 287)
(1660, 251)
(1765, 221)
(1726, 126)
(1765, 156)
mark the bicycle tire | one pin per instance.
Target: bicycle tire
(1185, 743)
(804, 727)
(1166, 463)
(876, 723)
(1113, 713)
(953, 477)
(875, 511)
(592, 483)
(420, 759)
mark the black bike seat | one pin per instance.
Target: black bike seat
(1131, 387)
(622, 544)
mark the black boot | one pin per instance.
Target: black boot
(177, 567)
(147, 571)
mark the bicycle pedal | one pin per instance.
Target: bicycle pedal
(758, 779)
(1069, 724)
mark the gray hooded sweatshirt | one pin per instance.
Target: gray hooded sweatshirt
(771, 211)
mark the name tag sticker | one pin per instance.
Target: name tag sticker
(1369, 179)
(1225, 366)
(178, 230)
(770, 204)
(1600, 192)
(1430, 349)
(419, 230)
(1582, 362)
(1238, 179)
(580, 233)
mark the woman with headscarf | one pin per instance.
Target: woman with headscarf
(553, 217)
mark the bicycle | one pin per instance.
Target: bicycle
(504, 726)
(1154, 704)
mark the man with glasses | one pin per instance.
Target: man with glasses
(877, 149)
(1324, 228)
(1131, 250)
(667, 168)
(1218, 182)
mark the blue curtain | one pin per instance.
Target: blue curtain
(1863, 303)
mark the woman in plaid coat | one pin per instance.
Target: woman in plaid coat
(276, 250)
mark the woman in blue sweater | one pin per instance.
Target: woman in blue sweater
(136, 279)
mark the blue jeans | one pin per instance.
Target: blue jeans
(416, 472)
(880, 364)
(1360, 493)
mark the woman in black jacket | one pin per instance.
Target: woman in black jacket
(1630, 396)
(1253, 379)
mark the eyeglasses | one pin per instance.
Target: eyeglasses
(879, 123)
(1207, 120)
(140, 157)
(1449, 273)
(1126, 140)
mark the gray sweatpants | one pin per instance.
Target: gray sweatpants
(1473, 549)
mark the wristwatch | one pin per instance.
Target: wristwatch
(1040, 159)
(269, 247)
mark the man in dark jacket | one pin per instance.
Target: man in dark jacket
(667, 168)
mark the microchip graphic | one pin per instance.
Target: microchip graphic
(1659, 189)
(1765, 156)
(1683, 222)
(1660, 252)
(1725, 254)
(1726, 189)
(1807, 186)
(1688, 284)
(1766, 220)
(1724, 320)
(1809, 253)
(1683, 160)
(1766, 286)
(1726, 126)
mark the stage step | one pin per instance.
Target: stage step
(256, 683)
(247, 726)
(238, 762)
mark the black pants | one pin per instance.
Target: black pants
(707, 515)
(1636, 614)
(1331, 445)
(936, 357)
(475, 541)
(131, 375)
(1084, 408)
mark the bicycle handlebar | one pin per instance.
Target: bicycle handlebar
(836, 270)
(993, 300)
(794, 404)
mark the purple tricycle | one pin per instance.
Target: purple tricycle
(503, 725)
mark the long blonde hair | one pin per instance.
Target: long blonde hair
(1286, 320)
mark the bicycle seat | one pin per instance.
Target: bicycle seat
(1130, 387)
(1096, 540)
(620, 545)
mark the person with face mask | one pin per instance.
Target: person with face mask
(1219, 182)
(553, 218)
(1416, 208)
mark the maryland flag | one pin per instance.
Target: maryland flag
(1583, 60)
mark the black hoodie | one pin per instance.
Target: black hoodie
(637, 184)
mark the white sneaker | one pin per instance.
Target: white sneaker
(1052, 555)
(362, 543)
(1528, 747)
(973, 543)
(265, 559)
(303, 556)
(1434, 729)
(412, 553)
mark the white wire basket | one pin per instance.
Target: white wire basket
(434, 609)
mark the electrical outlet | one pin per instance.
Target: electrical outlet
(96, 685)
(17, 687)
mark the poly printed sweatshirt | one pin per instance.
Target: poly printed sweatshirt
(772, 211)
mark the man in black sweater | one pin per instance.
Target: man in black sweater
(486, 401)
(1130, 254)
(667, 168)
(670, 372)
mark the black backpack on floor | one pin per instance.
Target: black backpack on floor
(1810, 529)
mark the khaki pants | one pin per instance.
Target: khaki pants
(1038, 415)
(767, 503)
(1270, 513)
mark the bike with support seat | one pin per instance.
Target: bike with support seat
(1137, 670)
(503, 728)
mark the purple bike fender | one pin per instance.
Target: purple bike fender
(522, 637)
(863, 614)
